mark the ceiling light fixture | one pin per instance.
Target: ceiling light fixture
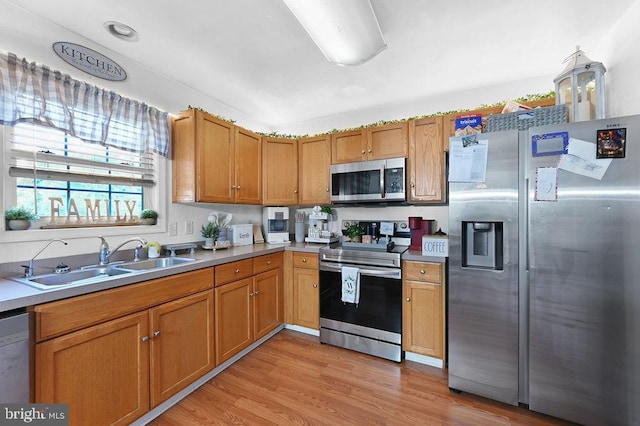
(121, 31)
(346, 31)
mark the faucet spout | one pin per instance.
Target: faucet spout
(28, 269)
(105, 253)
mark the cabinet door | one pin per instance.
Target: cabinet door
(248, 171)
(267, 301)
(349, 147)
(306, 295)
(388, 141)
(233, 309)
(102, 372)
(422, 319)
(314, 162)
(183, 157)
(181, 344)
(216, 159)
(280, 171)
(426, 161)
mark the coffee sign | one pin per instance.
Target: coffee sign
(89, 61)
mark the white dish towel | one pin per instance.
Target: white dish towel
(350, 284)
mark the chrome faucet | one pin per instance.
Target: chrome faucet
(105, 253)
(28, 269)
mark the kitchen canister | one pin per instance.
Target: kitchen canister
(299, 232)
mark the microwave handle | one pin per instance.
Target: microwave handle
(382, 181)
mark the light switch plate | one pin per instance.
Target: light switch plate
(188, 227)
(173, 229)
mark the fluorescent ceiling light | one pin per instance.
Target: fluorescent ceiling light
(346, 31)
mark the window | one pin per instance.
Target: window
(72, 183)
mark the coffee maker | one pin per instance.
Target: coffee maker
(419, 227)
(276, 224)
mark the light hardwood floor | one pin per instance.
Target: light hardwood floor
(293, 379)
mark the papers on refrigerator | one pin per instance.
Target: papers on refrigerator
(581, 159)
(468, 159)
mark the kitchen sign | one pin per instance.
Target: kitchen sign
(89, 61)
(435, 246)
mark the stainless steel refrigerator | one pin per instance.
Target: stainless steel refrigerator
(544, 269)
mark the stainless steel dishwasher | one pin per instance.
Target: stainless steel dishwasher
(14, 357)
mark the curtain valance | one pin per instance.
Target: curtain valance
(36, 94)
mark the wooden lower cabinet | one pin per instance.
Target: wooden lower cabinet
(306, 291)
(249, 308)
(101, 372)
(149, 348)
(182, 344)
(423, 311)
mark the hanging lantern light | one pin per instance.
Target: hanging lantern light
(581, 86)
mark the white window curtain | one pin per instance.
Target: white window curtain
(36, 94)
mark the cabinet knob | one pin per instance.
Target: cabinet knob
(408, 299)
(304, 260)
(422, 271)
(413, 185)
(233, 187)
(256, 293)
(363, 151)
(369, 151)
(268, 262)
(238, 187)
(315, 286)
(145, 339)
(237, 271)
(295, 192)
(251, 294)
(156, 333)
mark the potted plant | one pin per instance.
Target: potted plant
(19, 218)
(148, 217)
(210, 232)
(355, 232)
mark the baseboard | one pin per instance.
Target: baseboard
(302, 329)
(423, 359)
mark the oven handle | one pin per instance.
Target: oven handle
(393, 274)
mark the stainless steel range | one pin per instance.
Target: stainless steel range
(374, 324)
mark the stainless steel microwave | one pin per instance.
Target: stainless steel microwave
(369, 181)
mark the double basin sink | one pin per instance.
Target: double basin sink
(97, 274)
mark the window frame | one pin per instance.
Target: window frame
(155, 197)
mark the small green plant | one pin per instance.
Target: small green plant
(326, 209)
(354, 230)
(148, 214)
(19, 213)
(210, 230)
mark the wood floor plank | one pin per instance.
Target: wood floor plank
(292, 379)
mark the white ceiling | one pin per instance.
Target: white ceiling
(253, 56)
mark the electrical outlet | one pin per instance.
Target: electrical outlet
(173, 229)
(188, 227)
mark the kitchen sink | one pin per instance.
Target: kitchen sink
(76, 277)
(159, 263)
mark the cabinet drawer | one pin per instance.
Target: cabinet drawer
(267, 262)
(233, 271)
(305, 260)
(60, 317)
(423, 271)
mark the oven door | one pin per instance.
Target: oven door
(380, 305)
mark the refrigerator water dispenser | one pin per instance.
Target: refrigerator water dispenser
(482, 245)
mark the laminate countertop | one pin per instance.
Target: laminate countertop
(15, 295)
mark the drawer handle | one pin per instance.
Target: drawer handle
(304, 260)
(315, 286)
(156, 333)
(145, 339)
(268, 262)
(237, 271)
(422, 271)
(408, 299)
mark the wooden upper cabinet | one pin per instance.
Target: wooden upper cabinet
(215, 161)
(279, 171)
(349, 147)
(248, 167)
(372, 143)
(388, 141)
(426, 161)
(314, 162)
